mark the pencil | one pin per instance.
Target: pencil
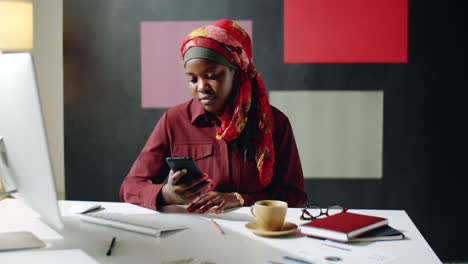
(111, 246)
(217, 226)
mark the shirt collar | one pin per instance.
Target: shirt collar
(200, 117)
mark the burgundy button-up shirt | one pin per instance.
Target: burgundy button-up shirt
(187, 130)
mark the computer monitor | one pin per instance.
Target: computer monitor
(25, 163)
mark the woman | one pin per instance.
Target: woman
(244, 146)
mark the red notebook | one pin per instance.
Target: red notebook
(343, 226)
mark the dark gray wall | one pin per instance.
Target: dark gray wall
(423, 169)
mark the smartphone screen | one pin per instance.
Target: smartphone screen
(188, 163)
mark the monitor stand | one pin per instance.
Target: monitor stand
(4, 159)
(19, 240)
(3, 152)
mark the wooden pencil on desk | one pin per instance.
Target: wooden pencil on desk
(217, 226)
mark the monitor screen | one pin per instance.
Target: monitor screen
(25, 163)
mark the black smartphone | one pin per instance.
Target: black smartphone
(188, 163)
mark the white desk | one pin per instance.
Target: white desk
(81, 242)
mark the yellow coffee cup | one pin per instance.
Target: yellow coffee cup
(269, 214)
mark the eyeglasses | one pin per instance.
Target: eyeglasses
(314, 211)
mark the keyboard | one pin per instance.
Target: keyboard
(149, 224)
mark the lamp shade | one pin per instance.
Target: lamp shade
(16, 25)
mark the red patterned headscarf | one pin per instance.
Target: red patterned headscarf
(230, 40)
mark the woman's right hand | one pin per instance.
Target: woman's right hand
(179, 193)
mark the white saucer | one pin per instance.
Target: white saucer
(287, 229)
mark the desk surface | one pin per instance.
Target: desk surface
(81, 242)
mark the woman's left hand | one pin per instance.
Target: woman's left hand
(208, 200)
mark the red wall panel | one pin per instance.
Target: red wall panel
(345, 31)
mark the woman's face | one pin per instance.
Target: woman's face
(210, 83)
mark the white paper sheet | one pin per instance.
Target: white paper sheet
(43, 256)
(332, 252)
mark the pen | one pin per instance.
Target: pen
(297, 260)
(217, 226)
(342, 248)
(111, 246)
(290, 259)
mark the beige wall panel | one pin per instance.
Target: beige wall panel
(48, 58)
(338, 133)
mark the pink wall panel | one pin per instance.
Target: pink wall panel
(345, 31)
(163, 83)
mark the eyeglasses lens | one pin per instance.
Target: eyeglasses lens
(314, 210)
(334, 209)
